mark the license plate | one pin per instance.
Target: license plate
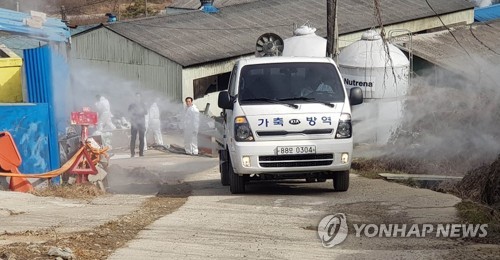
(303, 149)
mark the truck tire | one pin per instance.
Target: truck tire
(341, 181)
(223, 168)
(236, 182)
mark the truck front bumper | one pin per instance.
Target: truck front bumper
(262, 158)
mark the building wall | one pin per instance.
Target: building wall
(201, 71)
(415, 26)
(112, 53)
(118, 55)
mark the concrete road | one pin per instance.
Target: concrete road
(279, 221)
(147, 175)
(131, 182)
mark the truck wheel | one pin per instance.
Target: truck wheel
(236, 182)
(341, 181)
(223, 168)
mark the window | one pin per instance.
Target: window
(210, 84)
(289, 80)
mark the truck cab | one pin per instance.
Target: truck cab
(286, 118)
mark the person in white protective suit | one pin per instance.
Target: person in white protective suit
(155, 123)
(191, 125)
(146, 119)
(104, 122)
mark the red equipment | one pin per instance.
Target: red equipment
(83, 165)
(84, 119)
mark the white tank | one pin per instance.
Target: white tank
(365, 64)
(384, 82)
(304, 43)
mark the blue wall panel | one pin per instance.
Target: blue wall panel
(30, 128)
(39, 83)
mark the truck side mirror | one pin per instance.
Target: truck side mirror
(224, 100)
(356, 96)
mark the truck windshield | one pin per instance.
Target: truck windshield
(294, 82)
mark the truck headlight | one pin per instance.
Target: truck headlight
(344, 129)
(242, 130)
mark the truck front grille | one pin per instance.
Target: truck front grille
(305, 132)
(299, 160)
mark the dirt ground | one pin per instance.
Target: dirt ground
(479, 190)
(100, 242)
(483, 184)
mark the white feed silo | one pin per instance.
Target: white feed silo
(381, 70)
(304, 36)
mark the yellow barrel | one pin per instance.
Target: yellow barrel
(10, 76)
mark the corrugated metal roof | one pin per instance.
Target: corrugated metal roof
(195, 4)
(469, 49)
(196, 37)
(46, 29)
(487, 13)
(17, 43)
(82, 28)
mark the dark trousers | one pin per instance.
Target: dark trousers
(133, 131)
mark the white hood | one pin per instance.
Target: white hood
(278, 117)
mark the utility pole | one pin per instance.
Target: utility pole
(17, 6)
(64, 17)
(146, 5)
(332, 47)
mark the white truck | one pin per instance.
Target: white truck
(286, 118)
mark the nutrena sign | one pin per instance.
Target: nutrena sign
(354, 81)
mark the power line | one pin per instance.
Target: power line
(481, 42)
(459, 44)
(378, 16)
(447, 28)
